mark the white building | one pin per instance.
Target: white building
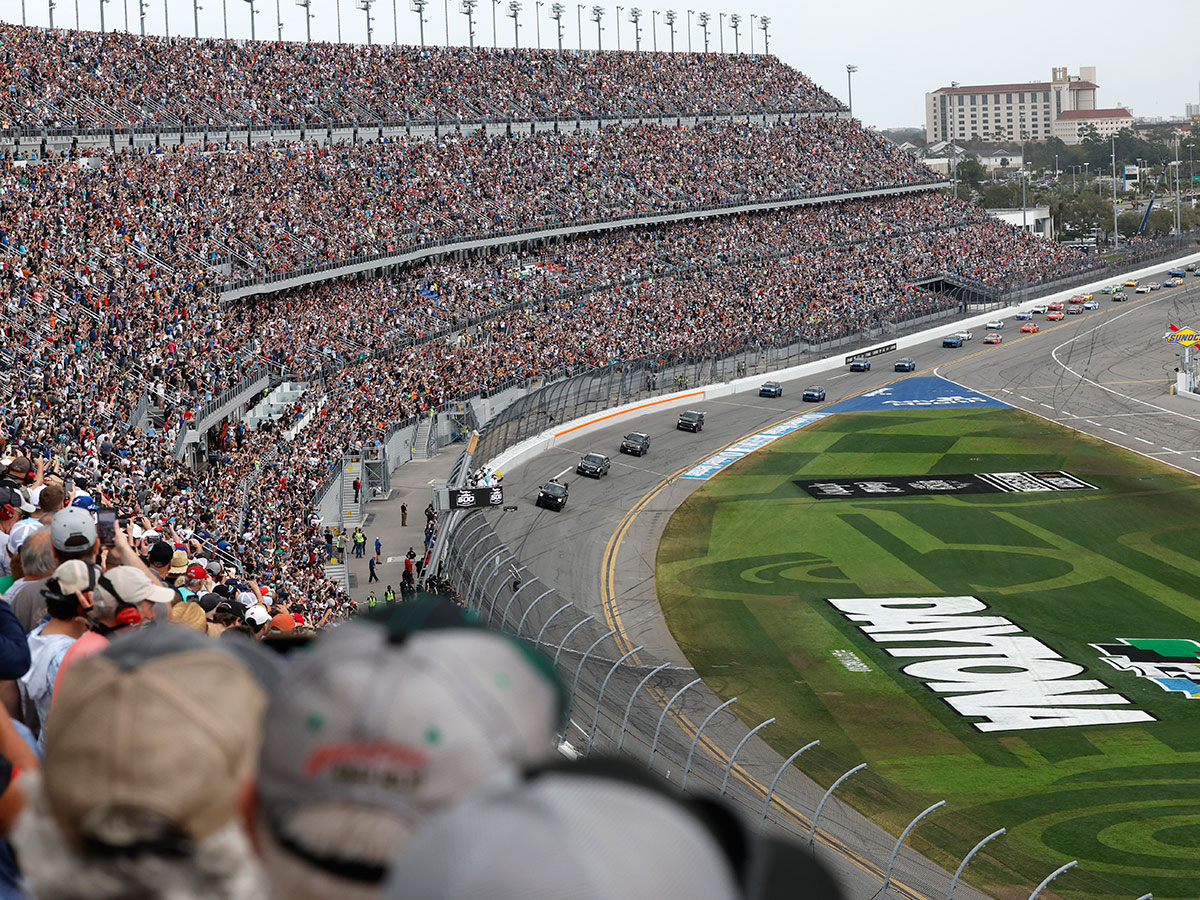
(1005, 111)
(1034, 219)
(1071, 126)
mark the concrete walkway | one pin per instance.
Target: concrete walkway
(411, 484)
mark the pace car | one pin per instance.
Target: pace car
(814, 394)
(553, 495)
(594, 465)
(636, 443)
(905, 365)
(691, 420)
(860, 365)
(771, 389)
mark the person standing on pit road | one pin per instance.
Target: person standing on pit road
(378, 549)
(389, 596)
(403, 515)
(371, 600)
(374, 575)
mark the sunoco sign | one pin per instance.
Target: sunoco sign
(985, 667)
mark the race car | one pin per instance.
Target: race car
(771, 389)
(992, 338)
(1131, 283)
(1176, 273)
(860, 365)
(1023, 315)
(1074, 300)
(1091, 304)
(952, 340)
(1120, 297)
(1056, 306)
(994, 325)
(1144, 288)
(1086, 297)
(1029, 329)
(1075, 310)
(1054, 316)
(813, 394)
(1038, 310)
(553, 495)
(636, 443)
(594, 465)
(1108, 290)
(691, 420)
(965, 335)
(905, 365)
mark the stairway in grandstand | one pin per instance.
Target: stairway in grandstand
(420, 444)
(351, 512)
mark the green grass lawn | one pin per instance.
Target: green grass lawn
(748, 565)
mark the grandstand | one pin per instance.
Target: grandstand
(156, 293)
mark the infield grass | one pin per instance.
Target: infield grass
(748, 564)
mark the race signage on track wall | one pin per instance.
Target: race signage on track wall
(874, 351)
(941, 485)
(984, 666)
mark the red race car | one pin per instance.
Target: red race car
(1029, 329)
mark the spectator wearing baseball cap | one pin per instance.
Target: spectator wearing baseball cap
(381, 725)
(592, 829)
(150, 743)
(13, 508)
(73, 535)
(159, 559)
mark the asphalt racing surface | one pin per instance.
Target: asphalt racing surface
(1106, 372)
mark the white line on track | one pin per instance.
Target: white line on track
(1047, 405)
(1118, 431)
(1143, 440)
(1027, 399)
(1090, 422)
(564, 472)
(836, 377)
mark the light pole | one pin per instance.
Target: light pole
(514, 9)
(102, 2)
(76, 15)
(279, 22)
(417, 6)
(307, 6)
(752, 18)
(537, 20)
(619, 8)
(1024, 215)
(704, 18)
(954, 154)
(141, 15)
(195, 16)
(365, 6)
(467, 8)
(597, 15)
(166, 20)
(1178, 194)
(669, 18)
(50, 4)
(579, 24)
(654, 29)
(735, 22)
(556, 13)
(635, 16)
(446, 20)
(251, 3)
(764, 22)
(721, 31)
(495, 3)
(850, 70)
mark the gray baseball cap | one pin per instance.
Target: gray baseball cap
(72, 529)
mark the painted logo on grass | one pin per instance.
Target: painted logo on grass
(1171, 663)
(923, 486)
(984, 666)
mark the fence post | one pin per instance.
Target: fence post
(695, 740)
(496, 595)
(729, 768)
(812, 832)
(538, 643)
(489, 557)
(629, 705)
(567, 637)
(525, 615)
(663, 717)
(774, 781)
(887, 879)
(579, 671)
(600, 699)
(1049, 878)
(966, 859)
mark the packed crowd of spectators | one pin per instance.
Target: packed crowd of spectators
(195, 217)
(83, 79)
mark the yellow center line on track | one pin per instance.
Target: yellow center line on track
(612, 613)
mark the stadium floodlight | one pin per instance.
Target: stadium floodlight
(50, 4)
(196, 7)
(307, 6)
(850, 70)
(689, 29)
(102, 2)
(537, 20)
(467, 8)
(556, 13)
(752, 18)
(597, 15)
(251, 2)
(166, 19)
(579, 24)
(704, 18)
(669, 18)
(635, 16)
(495, 3)
(735, 22)
(514, 10)
(619, 8)
(141, 14)
(721, 32)
(278, 23)
(654, 29)
(365, 6)
(417, 6)
(764, 22)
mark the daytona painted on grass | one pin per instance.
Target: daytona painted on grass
(1030, 657)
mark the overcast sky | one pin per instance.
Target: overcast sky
(901, 49)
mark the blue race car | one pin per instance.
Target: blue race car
(952, 340)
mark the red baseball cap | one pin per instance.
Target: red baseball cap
(197, 572)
